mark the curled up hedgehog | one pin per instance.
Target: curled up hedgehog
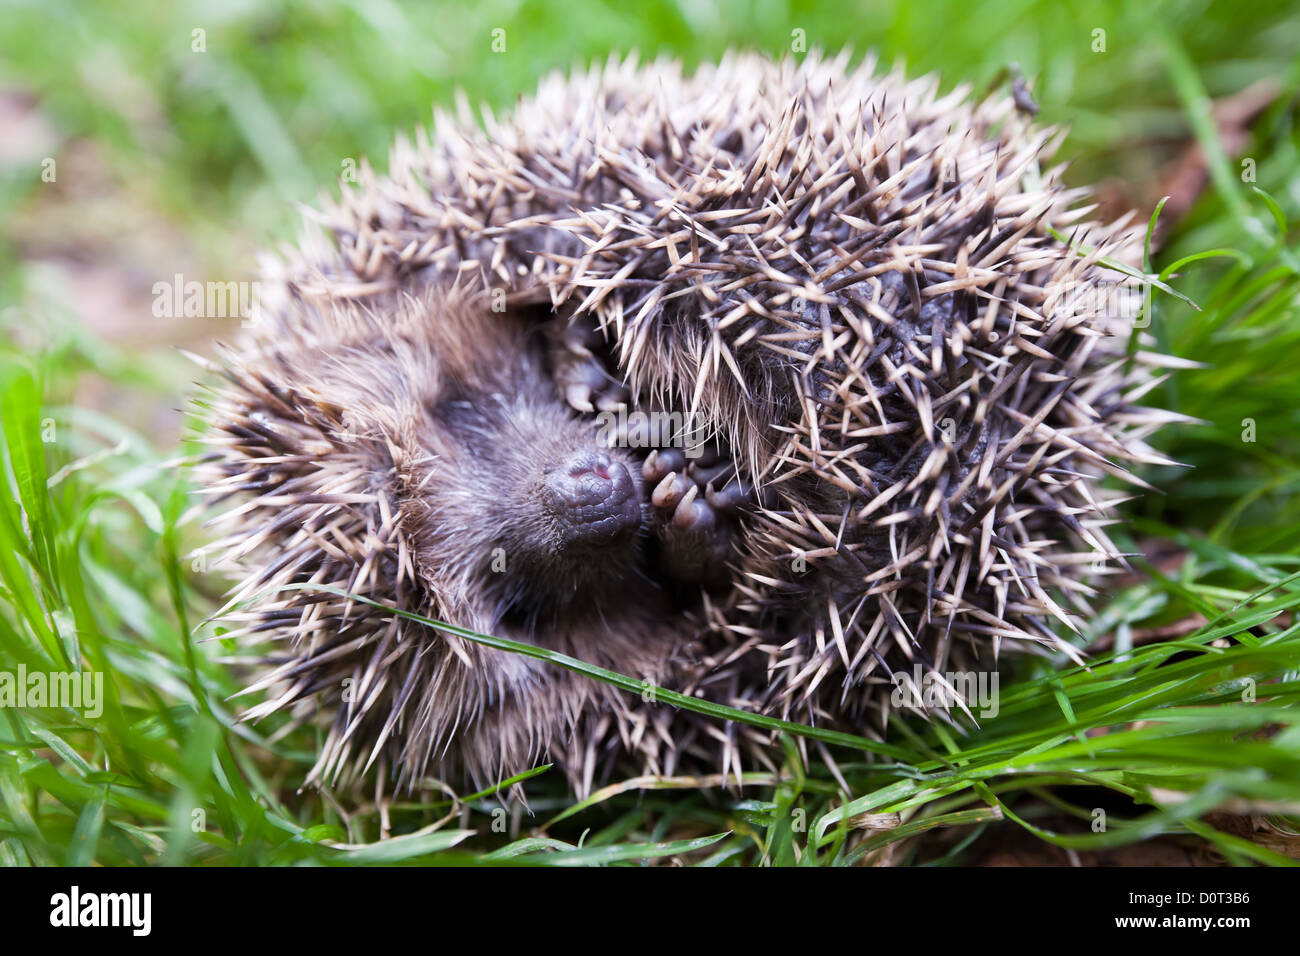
(891, 353)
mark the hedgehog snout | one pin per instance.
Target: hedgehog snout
(593, 498)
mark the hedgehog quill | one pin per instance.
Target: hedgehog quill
(895, 392)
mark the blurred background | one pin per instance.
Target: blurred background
(184, 133)
(142, 140)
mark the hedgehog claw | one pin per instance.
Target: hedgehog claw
(708, 474)
(579, 397)
(614, 399)
(693, 514)
(579, 372)
(588, 388)
(731, 497)
(685, 515)
(695, 546)
(671, 490)
(661, 462)
(691, 518)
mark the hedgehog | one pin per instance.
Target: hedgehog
(897, 360)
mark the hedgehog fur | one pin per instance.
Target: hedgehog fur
(902, 340)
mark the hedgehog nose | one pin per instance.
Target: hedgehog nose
(594, 498)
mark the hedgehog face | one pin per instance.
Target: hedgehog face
(571, 528)
(544, 517)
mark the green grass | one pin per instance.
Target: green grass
(1166, 738)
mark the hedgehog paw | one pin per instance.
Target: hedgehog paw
(693, 509)
(579, 373)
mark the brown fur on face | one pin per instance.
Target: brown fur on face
(514, 503)
(422, 457)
